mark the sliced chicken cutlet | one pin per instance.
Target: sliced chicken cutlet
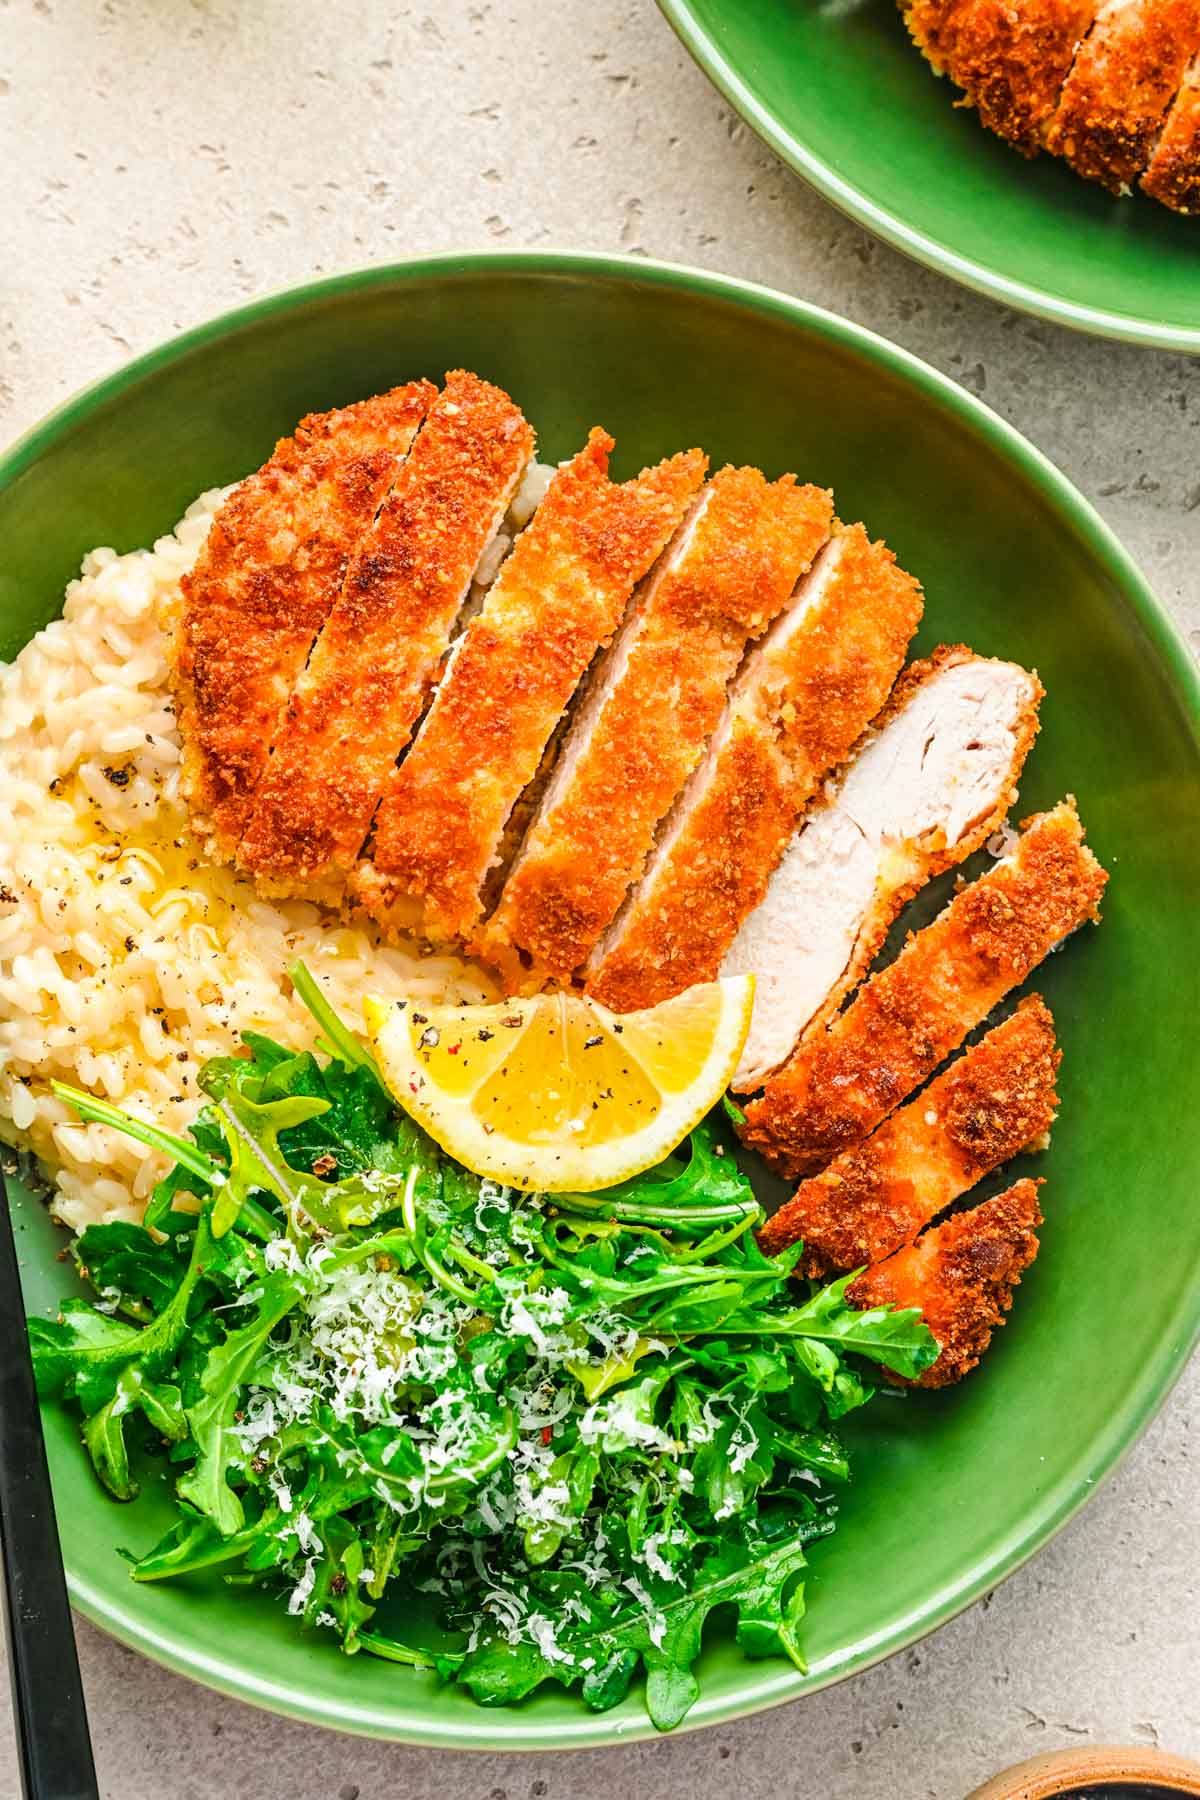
(844, 1080)
(930, 24)
(962, 1275)
(264, 584)
(931, 780)
(1011, 58)
(1125, 76)
(354, 706)
(994, 1101)
(556, 601)
(1173, 177)
(648, 711)
(802, 697)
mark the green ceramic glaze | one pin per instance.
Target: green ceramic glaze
(837, 89)
(952, 1490)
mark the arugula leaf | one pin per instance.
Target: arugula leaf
(192, 1544)
(195, 1169)
(816, 1450)
(60, 1346)
(899, 1339)
(688, 1195)
(86, 1351)
(769, 1612)
(356, 1129)
(343, 1046)
(100, 1112)
(125, 1260)
(595, 1378)
(104, 1430)
(337, 1585)
(388, 1460)
(736, 1462)
(211, 1419)
(392, 1650)
(577, 1471)
(753, 1581)
(256, 1160)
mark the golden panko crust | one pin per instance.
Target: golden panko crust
(806, 707)
(355, 705)
(1123, 81)
(1011, 61)
(931, 27)
(750, 545)
(994, 1101)
(557, 599)
(962, 1275)
(1113, 89)
(844, 1080)
(1173, 176)
(264, 584)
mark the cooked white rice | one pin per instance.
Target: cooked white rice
(125, 960)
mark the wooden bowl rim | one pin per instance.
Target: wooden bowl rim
(1043, 1777)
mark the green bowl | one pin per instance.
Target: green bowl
(837, 90)
(954, 1490)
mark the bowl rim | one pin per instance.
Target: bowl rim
(1093, 1770)
(1181, 1332)
(1096, 321)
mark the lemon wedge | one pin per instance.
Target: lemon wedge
(555, 1093)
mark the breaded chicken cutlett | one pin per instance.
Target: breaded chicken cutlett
(931, 779)
(556, 601)
(1105, 84)
(844, 1080)
(265, 581)
(647, 712)
(801, 699)
(1173, 175)
(1115, 100)
(354, 706)
(930, 24)
(962, 1275)
(993, 1101)
(1011, 61)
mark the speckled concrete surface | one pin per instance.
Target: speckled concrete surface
(164, 159)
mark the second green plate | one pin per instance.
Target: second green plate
(837, 90)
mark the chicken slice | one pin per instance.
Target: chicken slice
(557, 599)
(1124, 79)
(265, 581)
(962, 1275)
(931, 26)
(801, 698)
(844, 1080)
(1012, 59)
(649, 708)
(353, 708)
(1173, 176)
(995, 1100)
(934, 776)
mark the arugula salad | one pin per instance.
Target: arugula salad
(504, 1438)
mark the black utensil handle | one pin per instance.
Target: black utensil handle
(51, 1719)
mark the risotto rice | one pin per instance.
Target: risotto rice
(125, 960)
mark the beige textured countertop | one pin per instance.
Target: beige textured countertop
(164, 159)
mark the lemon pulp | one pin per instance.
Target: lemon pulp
(556, 1093)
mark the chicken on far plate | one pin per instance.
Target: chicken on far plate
(1111, 86)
